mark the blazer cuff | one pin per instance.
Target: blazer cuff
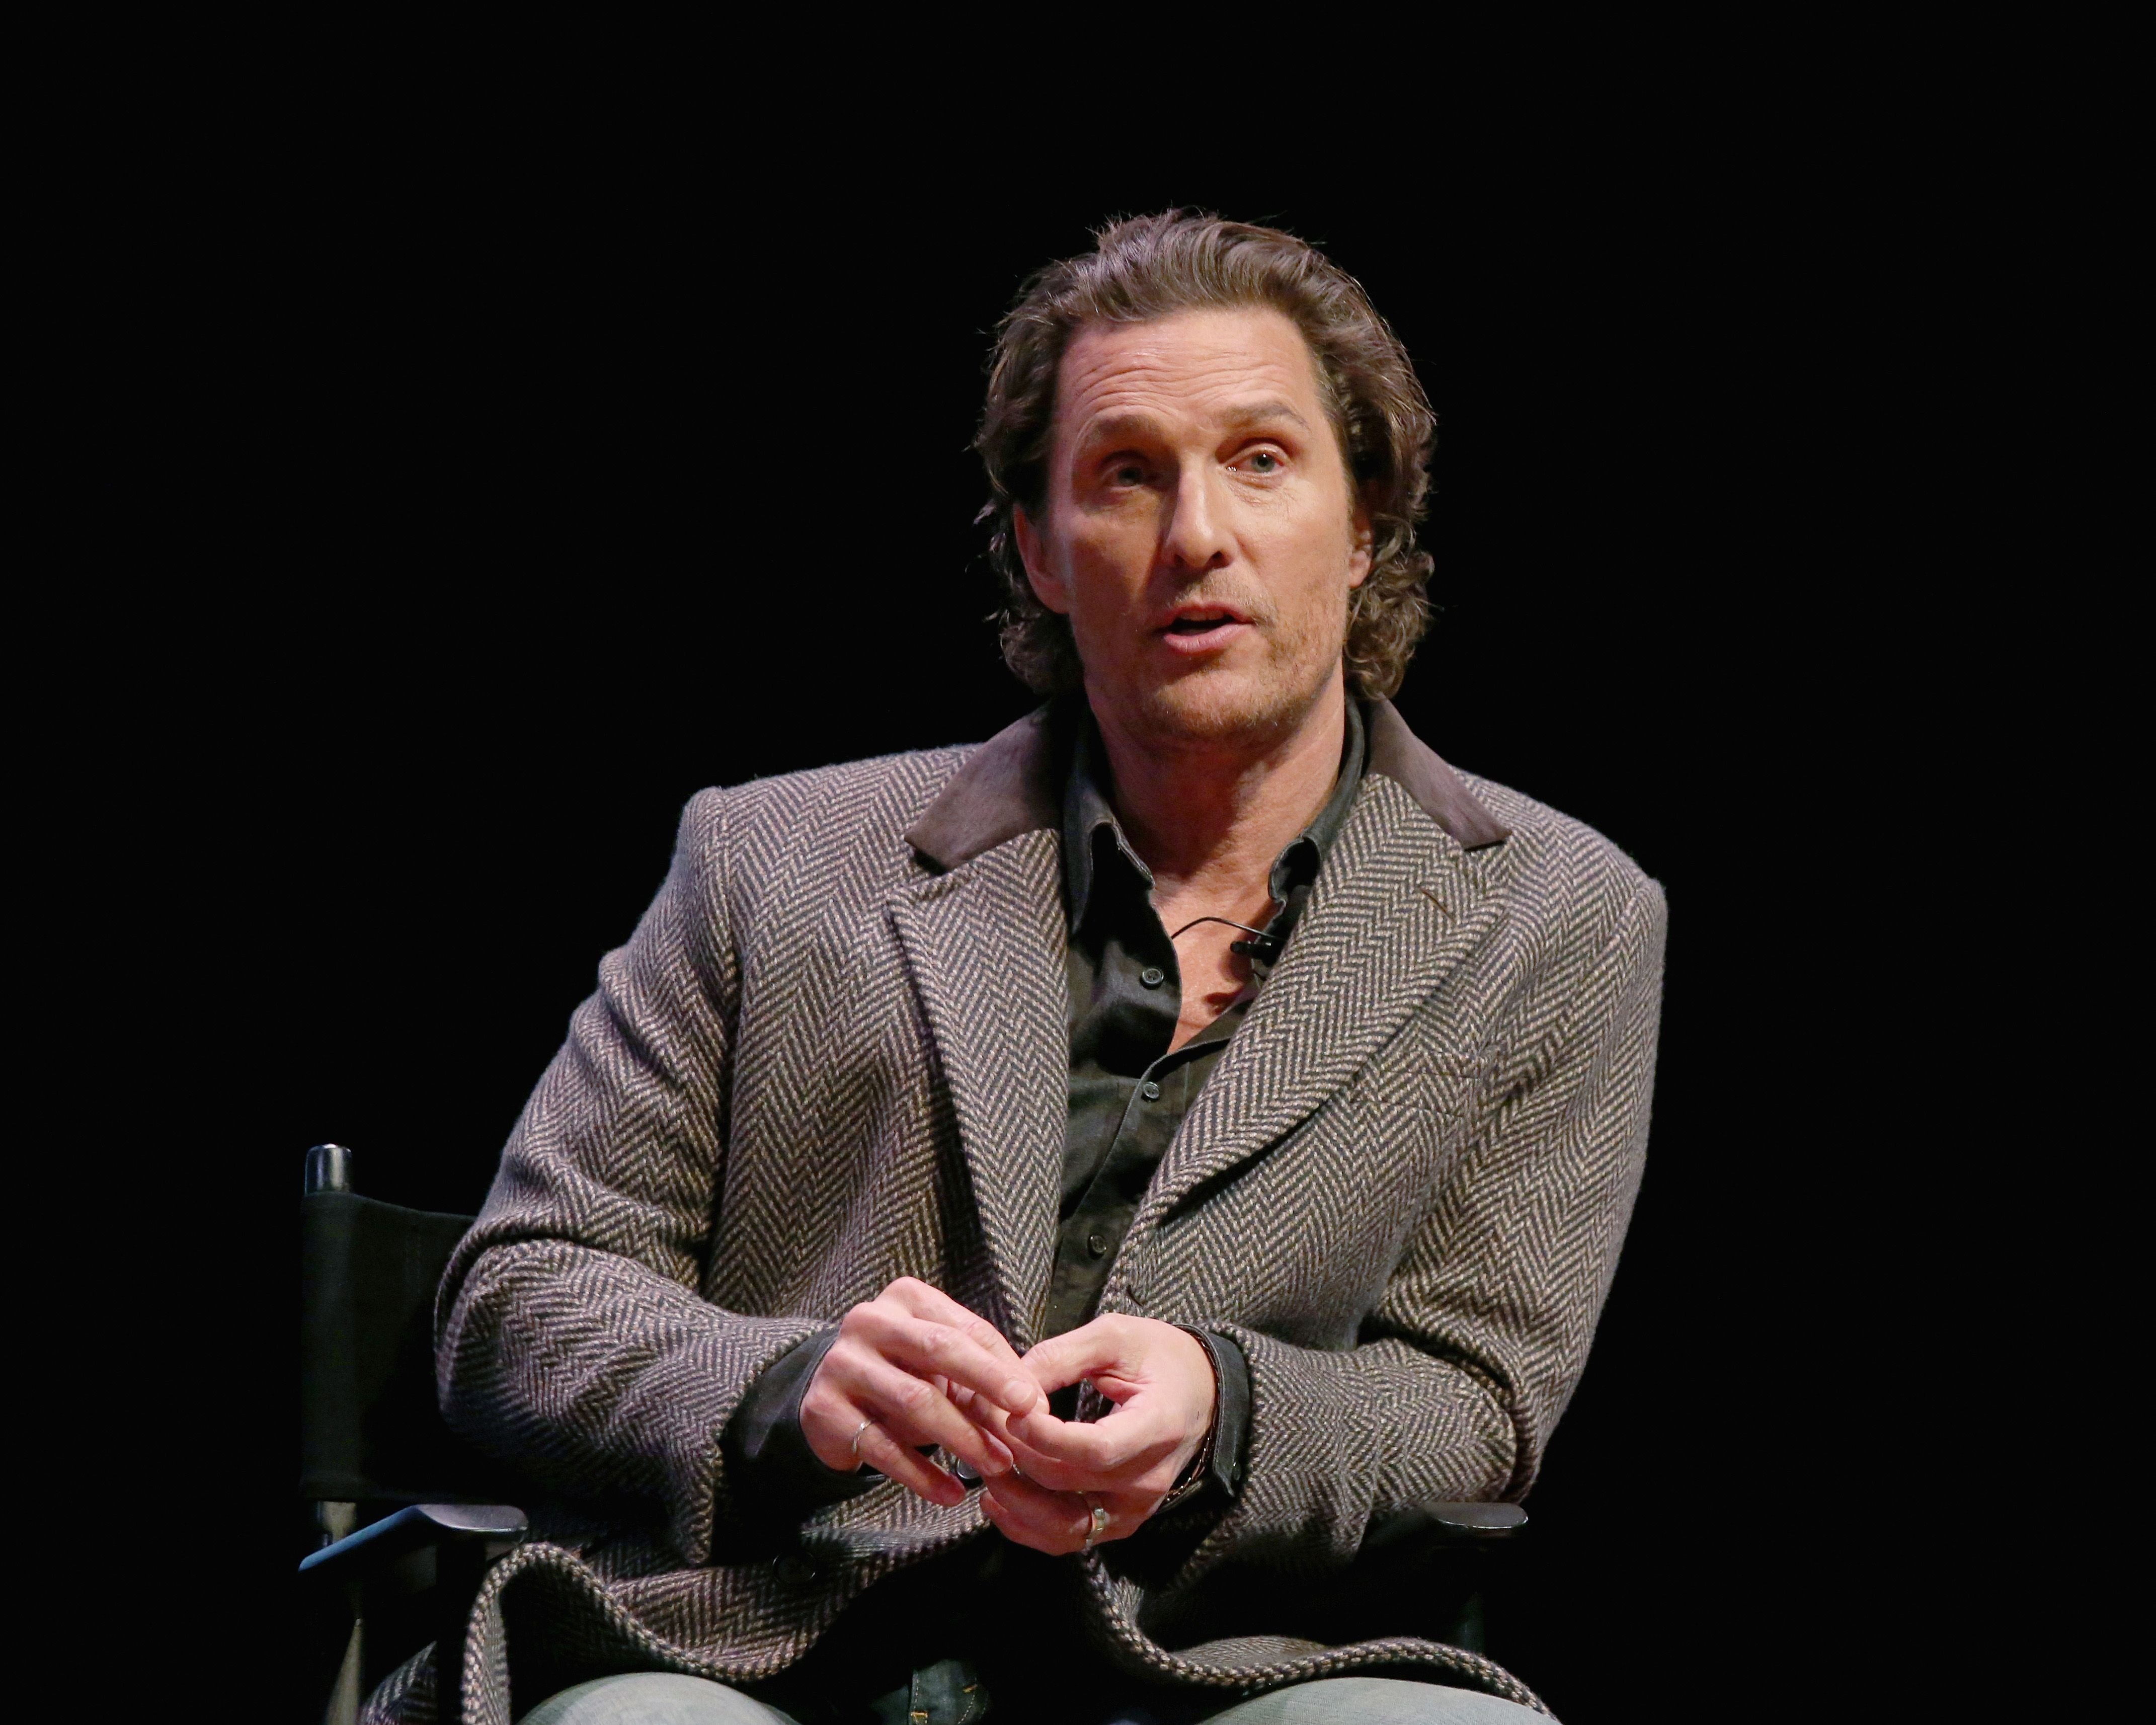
(1215, 1474)
(775, 1478)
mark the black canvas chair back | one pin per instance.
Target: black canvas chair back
(371, 1431)
(404, 1517)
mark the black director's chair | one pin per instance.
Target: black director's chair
(405, 1518)
(403, 1515)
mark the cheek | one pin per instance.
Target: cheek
(1311, 528)
(1109, 563)
(1314, 559)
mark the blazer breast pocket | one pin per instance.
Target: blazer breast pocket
(1419, 1076)
(1410, 1114)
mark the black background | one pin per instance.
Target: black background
(594, 488)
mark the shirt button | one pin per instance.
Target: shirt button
(1152, 977)
(1149, 1090)
(1097, 1244)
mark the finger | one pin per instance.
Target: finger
(987, 1416)
(1037, 1503)
(1052, 1522)
(997, 1425)
(1051, 1451)
(929, 1348)
(985, 1413)
(1102, 1454)
(1038, 1426)
(910, 1408)
(1033, 1444)
(1102, 1346)
(1016, 1386)
(895, 1460)
(1059, 1521)
(1020, 1532)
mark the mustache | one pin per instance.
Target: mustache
(1255, 607)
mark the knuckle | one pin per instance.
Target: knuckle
(841, 1362)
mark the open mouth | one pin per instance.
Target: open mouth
(1204, 630)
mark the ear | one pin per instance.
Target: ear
(1048, 586)
(1362, 540)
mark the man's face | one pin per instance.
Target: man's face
(1199, 530)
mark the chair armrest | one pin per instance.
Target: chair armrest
(495, 1528)
(1449, 1525)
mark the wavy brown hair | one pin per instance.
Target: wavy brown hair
(1150, 267)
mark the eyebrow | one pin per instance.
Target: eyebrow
(1112, 426)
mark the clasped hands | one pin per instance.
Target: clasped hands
(913, 1367)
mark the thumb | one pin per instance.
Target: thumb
(1092, 1348)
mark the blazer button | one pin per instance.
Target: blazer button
(794, 1569)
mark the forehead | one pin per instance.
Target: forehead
(1190, 368)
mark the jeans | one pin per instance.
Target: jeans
(658, 1698)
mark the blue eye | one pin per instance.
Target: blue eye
(1265, 461)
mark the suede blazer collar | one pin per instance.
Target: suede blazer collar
(1012, 785)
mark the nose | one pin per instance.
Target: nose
(1194, 536)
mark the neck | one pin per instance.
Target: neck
(1209, 815)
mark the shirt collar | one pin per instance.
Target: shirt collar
(1092, 832)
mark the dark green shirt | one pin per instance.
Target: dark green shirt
(1128, 1093)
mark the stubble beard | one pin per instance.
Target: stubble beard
(1255, 706)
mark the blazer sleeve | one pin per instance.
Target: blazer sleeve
(1479, 1339)
(573, 1338)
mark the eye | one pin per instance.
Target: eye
(1263, 463)
(1127, 473)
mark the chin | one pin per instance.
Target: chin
(1217, 707)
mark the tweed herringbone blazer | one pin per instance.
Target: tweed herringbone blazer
(835, 1052)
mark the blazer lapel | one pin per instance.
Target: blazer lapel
(1398, 905)
(985, 945)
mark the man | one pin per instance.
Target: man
(1198, 1116)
